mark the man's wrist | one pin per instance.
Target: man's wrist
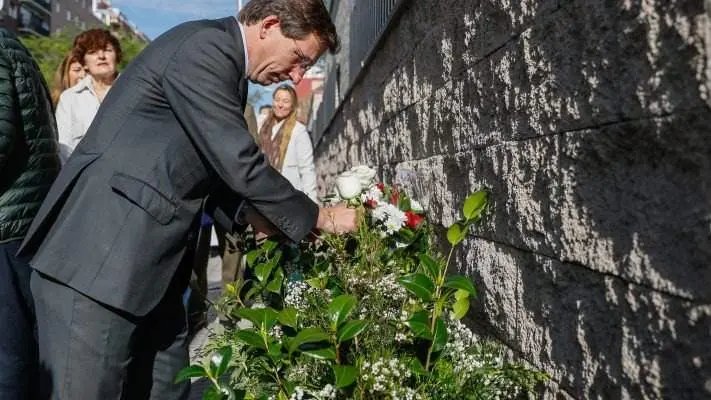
(325, 218)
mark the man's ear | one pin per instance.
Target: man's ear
(267, 24)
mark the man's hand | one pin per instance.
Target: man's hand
(338, 219)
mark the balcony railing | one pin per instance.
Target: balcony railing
(36, 26)
(42, 5)
(368, 24)
(368, 21)
(328, 106)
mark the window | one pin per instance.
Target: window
(69, 15)
(58, 9)
(83, 25)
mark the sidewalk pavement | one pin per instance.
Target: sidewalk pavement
(214, 286)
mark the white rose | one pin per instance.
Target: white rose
(364, 173)
(348, 185)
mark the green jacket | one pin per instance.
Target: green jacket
(29, 153)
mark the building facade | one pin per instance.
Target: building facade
(589, 123)
(9, 10)
(45, 17)
(73, 15)
(26, 16)
(117, 21)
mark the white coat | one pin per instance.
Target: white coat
(298, 166)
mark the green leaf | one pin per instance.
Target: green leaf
(251, 338)
(407, 235)
(440, 335)
(269, 245)
(404, 202)
(274, 350)
(193, 371)
(340, 308)
(328, 353)
(350, 330)
(432, 265)
(456, 233)
(220, 360)
(254, 290)
(252, 257)
(462, 283)
(308, 335)
(460, 293)
(416, 367)
(231, 393)
(223, 392)
(475, 204)
(276, 282)
(419, 284)
(419, 322)
(460, 307)
(345, 375)
(262, 318)
(318, 283)
(262, 271)
(289, 317)
(212, 393)
(289, 385)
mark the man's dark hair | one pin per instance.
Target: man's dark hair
(298, 19)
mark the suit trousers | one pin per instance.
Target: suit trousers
(18, 346)
(88, 350)
(231, 253)
(232, 271)
(197, 295)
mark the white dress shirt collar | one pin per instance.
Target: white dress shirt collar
(244, 45)
(86, 83)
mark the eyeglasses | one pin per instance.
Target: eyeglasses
(304, 62)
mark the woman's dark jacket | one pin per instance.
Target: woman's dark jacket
(29, 154)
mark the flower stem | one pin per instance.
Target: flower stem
(436, 310)
(338, 354)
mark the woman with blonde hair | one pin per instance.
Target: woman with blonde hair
(68, 73)
(287, 144)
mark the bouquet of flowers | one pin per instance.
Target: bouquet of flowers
(370, 315)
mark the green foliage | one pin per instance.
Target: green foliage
(339, 309)
(419, 284)
(345, 375)
(49, 51)
(372, 315)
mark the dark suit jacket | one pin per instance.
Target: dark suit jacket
(171, 131)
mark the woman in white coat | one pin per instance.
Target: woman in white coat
(286, 142)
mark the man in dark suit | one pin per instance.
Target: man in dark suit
(112, 239)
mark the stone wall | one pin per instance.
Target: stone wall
(589, 121)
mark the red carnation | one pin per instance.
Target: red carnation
(394, 197)
(381, 186)
(371, 203)
(413, 220)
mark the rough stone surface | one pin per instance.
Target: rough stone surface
(589, 122)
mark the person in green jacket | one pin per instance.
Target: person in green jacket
(29, 163)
